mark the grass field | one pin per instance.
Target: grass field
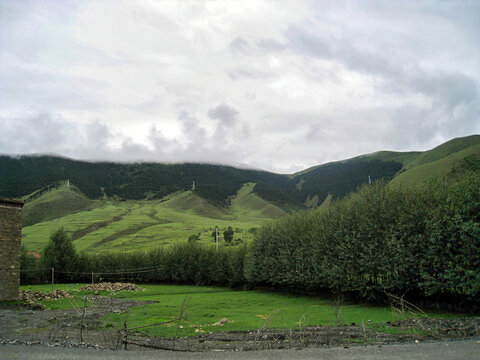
(244, 310)
(143, 225)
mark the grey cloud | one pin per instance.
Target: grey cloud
(153, 18)
(43, 88)
(91, 55)
(226, 114)
(97, 135)
(195, 134)
(132, 151)
(149, 106)
(239, 45)
(410, 127)
(307, 43)
(454, 88)
(199, 147)
(35, 133)
(454, 96)
(271, 45)
(293, 121)
(239, 73)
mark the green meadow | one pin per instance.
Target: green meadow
(106, 226)
(244, 310)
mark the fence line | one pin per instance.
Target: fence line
(121, 272)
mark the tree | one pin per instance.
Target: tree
(28, 264)
(60, 255)
(228, 235)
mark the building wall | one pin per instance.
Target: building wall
(10, 238)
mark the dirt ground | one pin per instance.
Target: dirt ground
(24, 325)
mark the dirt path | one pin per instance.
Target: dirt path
(450, 350)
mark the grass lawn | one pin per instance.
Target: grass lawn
(244, 310)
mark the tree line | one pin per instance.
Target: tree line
(422, 242)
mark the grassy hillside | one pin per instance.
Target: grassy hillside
(141, 225)
(137, 181)
(444, 150)
(452, 164)
(396, 156)
(337, 179)
(55, 203)
(248, 205)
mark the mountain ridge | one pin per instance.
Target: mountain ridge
(22, 175)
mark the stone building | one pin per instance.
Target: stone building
(10, 238)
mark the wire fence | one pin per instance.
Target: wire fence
(52, 275)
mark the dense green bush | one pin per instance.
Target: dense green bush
(187, 262)
(423, 241)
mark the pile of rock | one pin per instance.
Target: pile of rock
(107, 286)
(34, 296)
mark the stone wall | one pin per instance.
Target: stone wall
(10, 238)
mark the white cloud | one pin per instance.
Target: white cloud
(279, 85)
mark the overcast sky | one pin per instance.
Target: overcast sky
(276, 85)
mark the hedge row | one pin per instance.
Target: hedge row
(182, 263)
(423, 241)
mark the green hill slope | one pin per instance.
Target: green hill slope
(453, 164)
(135, 225)
(191, 202)
(248, 205)
(396, 156)
(55, 203)
(337, 179)
(444, 150)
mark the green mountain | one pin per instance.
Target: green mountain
(26, 174)
(336, 179)
(217, 184)
(111, 206)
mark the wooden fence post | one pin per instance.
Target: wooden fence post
(364, 331)
(83, 318)
(125, 336)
